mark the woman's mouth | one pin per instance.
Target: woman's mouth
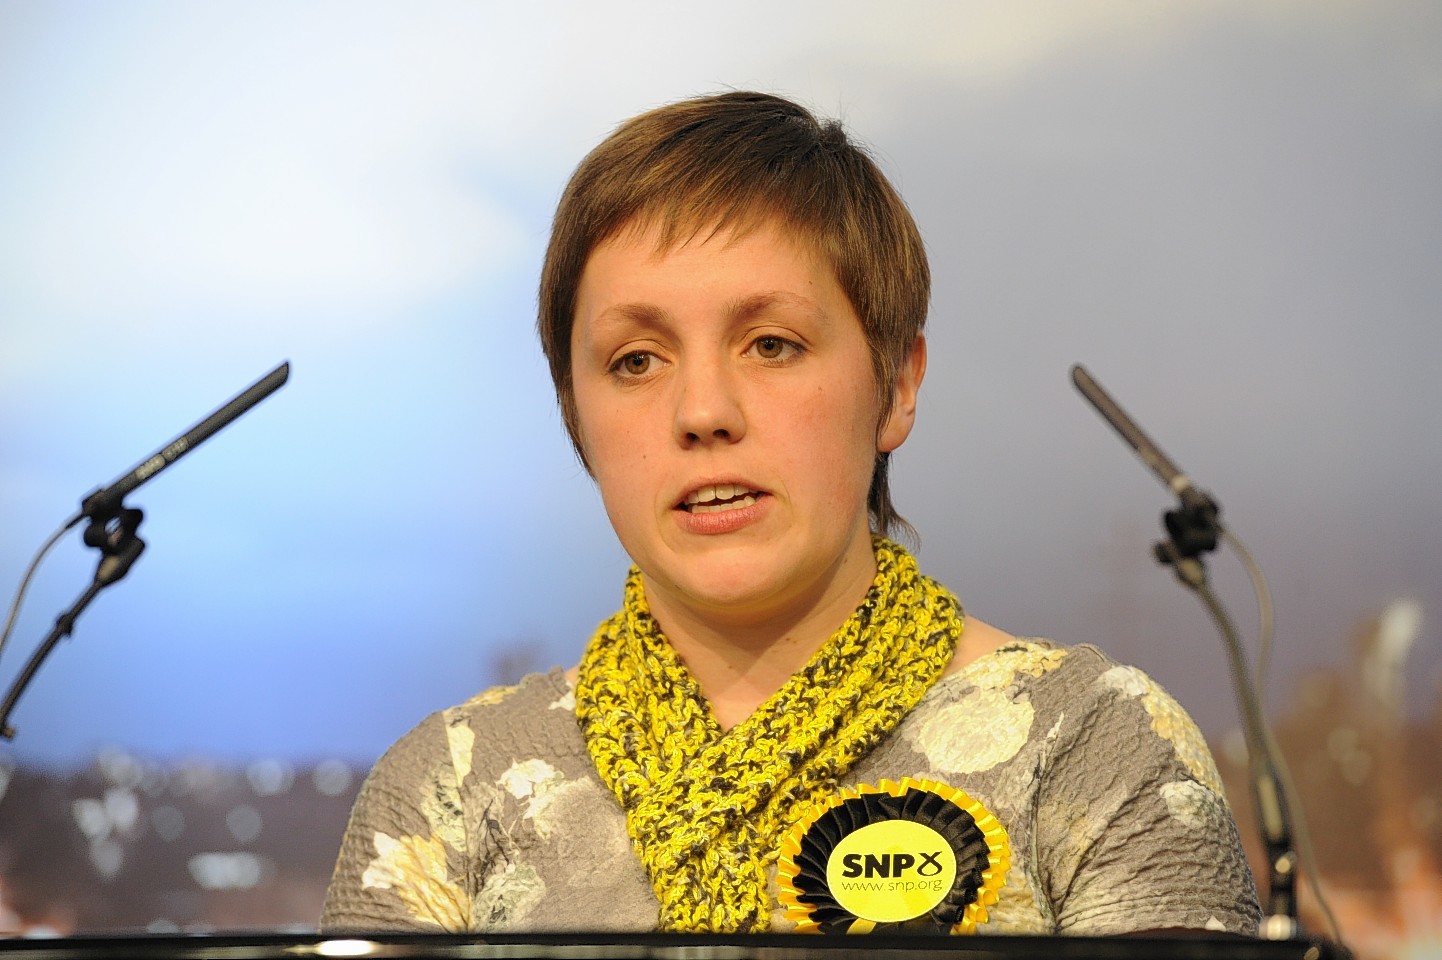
(715, 498)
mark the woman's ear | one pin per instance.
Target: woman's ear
(903, 398)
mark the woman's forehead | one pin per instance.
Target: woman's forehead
(671, 229)
(720, 269)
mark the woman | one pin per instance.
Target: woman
(732, 306)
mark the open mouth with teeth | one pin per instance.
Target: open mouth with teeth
(718, 497)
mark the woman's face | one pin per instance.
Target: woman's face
(728, 410)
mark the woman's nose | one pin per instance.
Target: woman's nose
(708, 405)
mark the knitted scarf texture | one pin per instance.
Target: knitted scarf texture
(706, 809)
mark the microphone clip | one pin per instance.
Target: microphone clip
(114, 534)
(1192, 529)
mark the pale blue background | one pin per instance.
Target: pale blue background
(1231, 211)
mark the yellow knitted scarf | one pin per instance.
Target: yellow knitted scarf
(706, 808)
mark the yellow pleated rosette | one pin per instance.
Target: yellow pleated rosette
(914, 855)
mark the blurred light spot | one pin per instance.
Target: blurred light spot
(169, 823)
(1315, 691)
(1356, 766)
(1234, 747)
(1426, 946)
(331, 777)
(1399, 625)
(90, 817)
(122, 807)
(162, 925)
(196, 778)
(153, 781)
(1424, 812)
(270, 777)
(106, 856)
(119, 767)
(1406, 861)
(345, 948)
(1345, 748)
(244, 823)
(1341, 742)
(227, 871)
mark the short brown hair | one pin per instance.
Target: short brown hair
(736, 160)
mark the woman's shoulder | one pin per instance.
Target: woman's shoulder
(978, 639)
(995, 659)
(532, 716)
(533, 692)
(539, 711)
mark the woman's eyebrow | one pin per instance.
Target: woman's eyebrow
(748, 307)
(640, 314)
(649, 316)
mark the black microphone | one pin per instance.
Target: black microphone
(1150, 453)
(1194, 526)
(104, 504)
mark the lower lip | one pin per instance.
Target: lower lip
(721, 521)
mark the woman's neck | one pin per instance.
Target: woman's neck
(737, 675)
(740, 662)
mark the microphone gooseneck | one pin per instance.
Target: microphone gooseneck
(1193, 529)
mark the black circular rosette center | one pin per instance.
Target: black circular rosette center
(972, 833)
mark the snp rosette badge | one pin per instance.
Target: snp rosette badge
(911, 856)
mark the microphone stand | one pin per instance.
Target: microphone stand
(113, 526)
(119, 548)
(1193, 530)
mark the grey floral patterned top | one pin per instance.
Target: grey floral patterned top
(490, 816)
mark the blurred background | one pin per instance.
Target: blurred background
(1229, 211)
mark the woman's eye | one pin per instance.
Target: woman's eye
(634, 364)
(773, 348)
